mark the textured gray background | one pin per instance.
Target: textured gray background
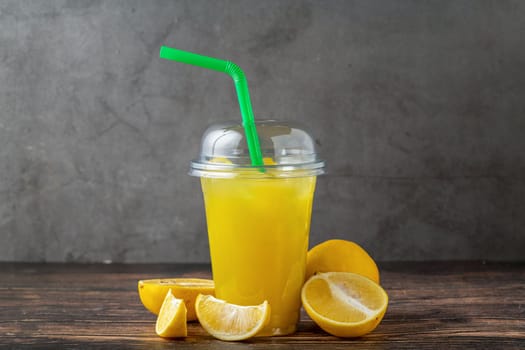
(418, 106)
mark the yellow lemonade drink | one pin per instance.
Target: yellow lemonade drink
(258, 216)
(258, 233)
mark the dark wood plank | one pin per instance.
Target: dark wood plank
(453, 305)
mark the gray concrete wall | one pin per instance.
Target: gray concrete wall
(418, 106)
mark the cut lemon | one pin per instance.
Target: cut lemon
(337, 255)
(171, 322)
(221, 160)
(344, 304)
(224, 160)
(152, 292)
(229, 321)
(269, 161)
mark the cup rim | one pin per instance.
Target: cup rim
(220, 170)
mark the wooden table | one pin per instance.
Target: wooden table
(433, 305)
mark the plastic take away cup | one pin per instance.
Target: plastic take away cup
(259, 221)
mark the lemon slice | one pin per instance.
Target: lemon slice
(269, 161)
(229, 321)
(171, 322)
(344, 304)
(221, 160)
(337, 255)
(224, 160)
(152, 292)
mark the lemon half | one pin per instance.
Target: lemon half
(344, 304)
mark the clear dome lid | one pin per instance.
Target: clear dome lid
(287, 149)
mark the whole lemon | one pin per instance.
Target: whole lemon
(337, 255)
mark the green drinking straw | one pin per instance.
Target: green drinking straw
(241, 85)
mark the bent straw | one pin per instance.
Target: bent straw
(241, 86)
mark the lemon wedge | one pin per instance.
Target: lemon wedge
(171, 322)
(231, 322)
